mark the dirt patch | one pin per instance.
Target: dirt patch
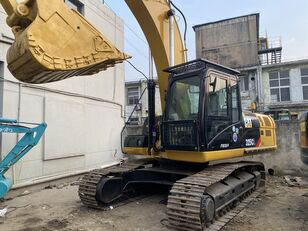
(279, 208)
(55, 224)
(33, 220)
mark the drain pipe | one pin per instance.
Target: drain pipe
(150, 64)
(17, 136)
(170, 15)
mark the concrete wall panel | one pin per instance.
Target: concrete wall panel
(84, 114)
(65, 134)
(231, 42)
(63, 166)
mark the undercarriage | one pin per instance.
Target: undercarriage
(199, 193)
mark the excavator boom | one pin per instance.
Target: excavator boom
(152, 17)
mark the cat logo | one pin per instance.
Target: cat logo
(248, 122)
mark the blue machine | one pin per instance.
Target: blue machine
(25, 144)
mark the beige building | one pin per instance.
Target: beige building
(85, 115)
(236, 43)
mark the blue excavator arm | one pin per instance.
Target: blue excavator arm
(32, 136)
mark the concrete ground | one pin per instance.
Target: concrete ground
(58, 208)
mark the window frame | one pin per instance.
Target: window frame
(194, 74)
(136, 99)
(224, 78)
(238, 96)
(78, 4)
(304, 84)
(242, 83)
(279, 87)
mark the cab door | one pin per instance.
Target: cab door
(223, 112)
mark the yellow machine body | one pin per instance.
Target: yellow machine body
(267, 142)
(303, 134)
(304, 137)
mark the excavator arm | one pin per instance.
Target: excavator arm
(54, 42)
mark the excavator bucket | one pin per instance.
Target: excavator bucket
(54, 42)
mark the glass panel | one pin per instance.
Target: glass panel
(235, 102)
(274, 83)
(184, 99)
(132, 95)
(285, 94)
(244, 83)
(273, 75)
(218, 118)
(304, 80)
(284, 82)
(275, 96)
(283, 116)
(284, 74)
(218, 103)
(305, 92)
(304, 71)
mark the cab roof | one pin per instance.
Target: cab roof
(199, 64)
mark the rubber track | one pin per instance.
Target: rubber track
(184, 201)
(89, 182)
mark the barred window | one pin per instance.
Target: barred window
(132, 95)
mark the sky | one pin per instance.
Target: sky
(285, 20)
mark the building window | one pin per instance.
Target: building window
(280, 86)
(132, 95)
(244, 83)
(133, 121)
(304, 76)
(76, 5)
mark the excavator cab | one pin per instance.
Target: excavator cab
(203, 113)
(203, 108)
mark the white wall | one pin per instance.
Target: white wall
(84, 119)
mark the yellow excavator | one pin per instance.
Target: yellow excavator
(202, 118)
(304, 137)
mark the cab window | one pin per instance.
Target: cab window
(217, 107)
(218, 97)
(184, 99)
(235, 101)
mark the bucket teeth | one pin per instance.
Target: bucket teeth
(59, 44)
